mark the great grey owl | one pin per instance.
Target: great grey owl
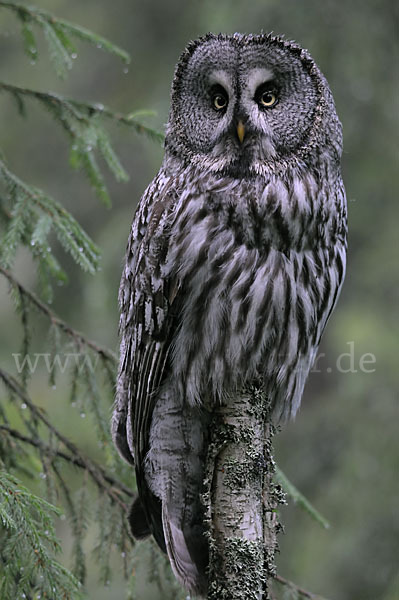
(235, 260)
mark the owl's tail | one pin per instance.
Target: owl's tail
(183, 542)
(170, 484)
(188, 553)
(182, 459)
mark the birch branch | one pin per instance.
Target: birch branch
(241, 499)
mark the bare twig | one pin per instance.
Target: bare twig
(298, 589)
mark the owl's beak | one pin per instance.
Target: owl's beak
(240, 131)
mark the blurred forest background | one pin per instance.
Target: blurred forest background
(342, 451)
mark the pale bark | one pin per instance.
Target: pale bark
(241, 499)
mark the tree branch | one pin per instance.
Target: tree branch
(78, 337)
(241, 499)
(41, 16)
(75, 106)
(95, 472)
(298, 590)
(75, 460)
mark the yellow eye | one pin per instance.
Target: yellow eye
(219, 102)
(268, 99)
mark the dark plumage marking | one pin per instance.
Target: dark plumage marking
(262, 313)
(296, 268)
(138, 520)
(271, 200)
(200, 216)
(245, 306)
(284, 340)
(305, 272)
(282, 228)
(325, 297)
(257, 224)
(301, 322)
(197, 315)
(340, 267)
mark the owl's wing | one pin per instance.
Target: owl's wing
(149, 311)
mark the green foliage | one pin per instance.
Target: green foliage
(31, 218)
(31, 215)
(28, 542)
(58, 34)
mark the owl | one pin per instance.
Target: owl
(234, 263)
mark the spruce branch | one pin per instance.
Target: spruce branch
(34, 236)
(83, 381)
(85, 133)
(74, 460)
(28, 217)
(95, 472)
(57, 33)
(82, 122)
(82, 111)
(26, 555)
(30, 204)
(78, 338)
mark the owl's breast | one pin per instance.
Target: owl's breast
(252, 282)
(295, 213)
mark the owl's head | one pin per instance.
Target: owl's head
(245, 104)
